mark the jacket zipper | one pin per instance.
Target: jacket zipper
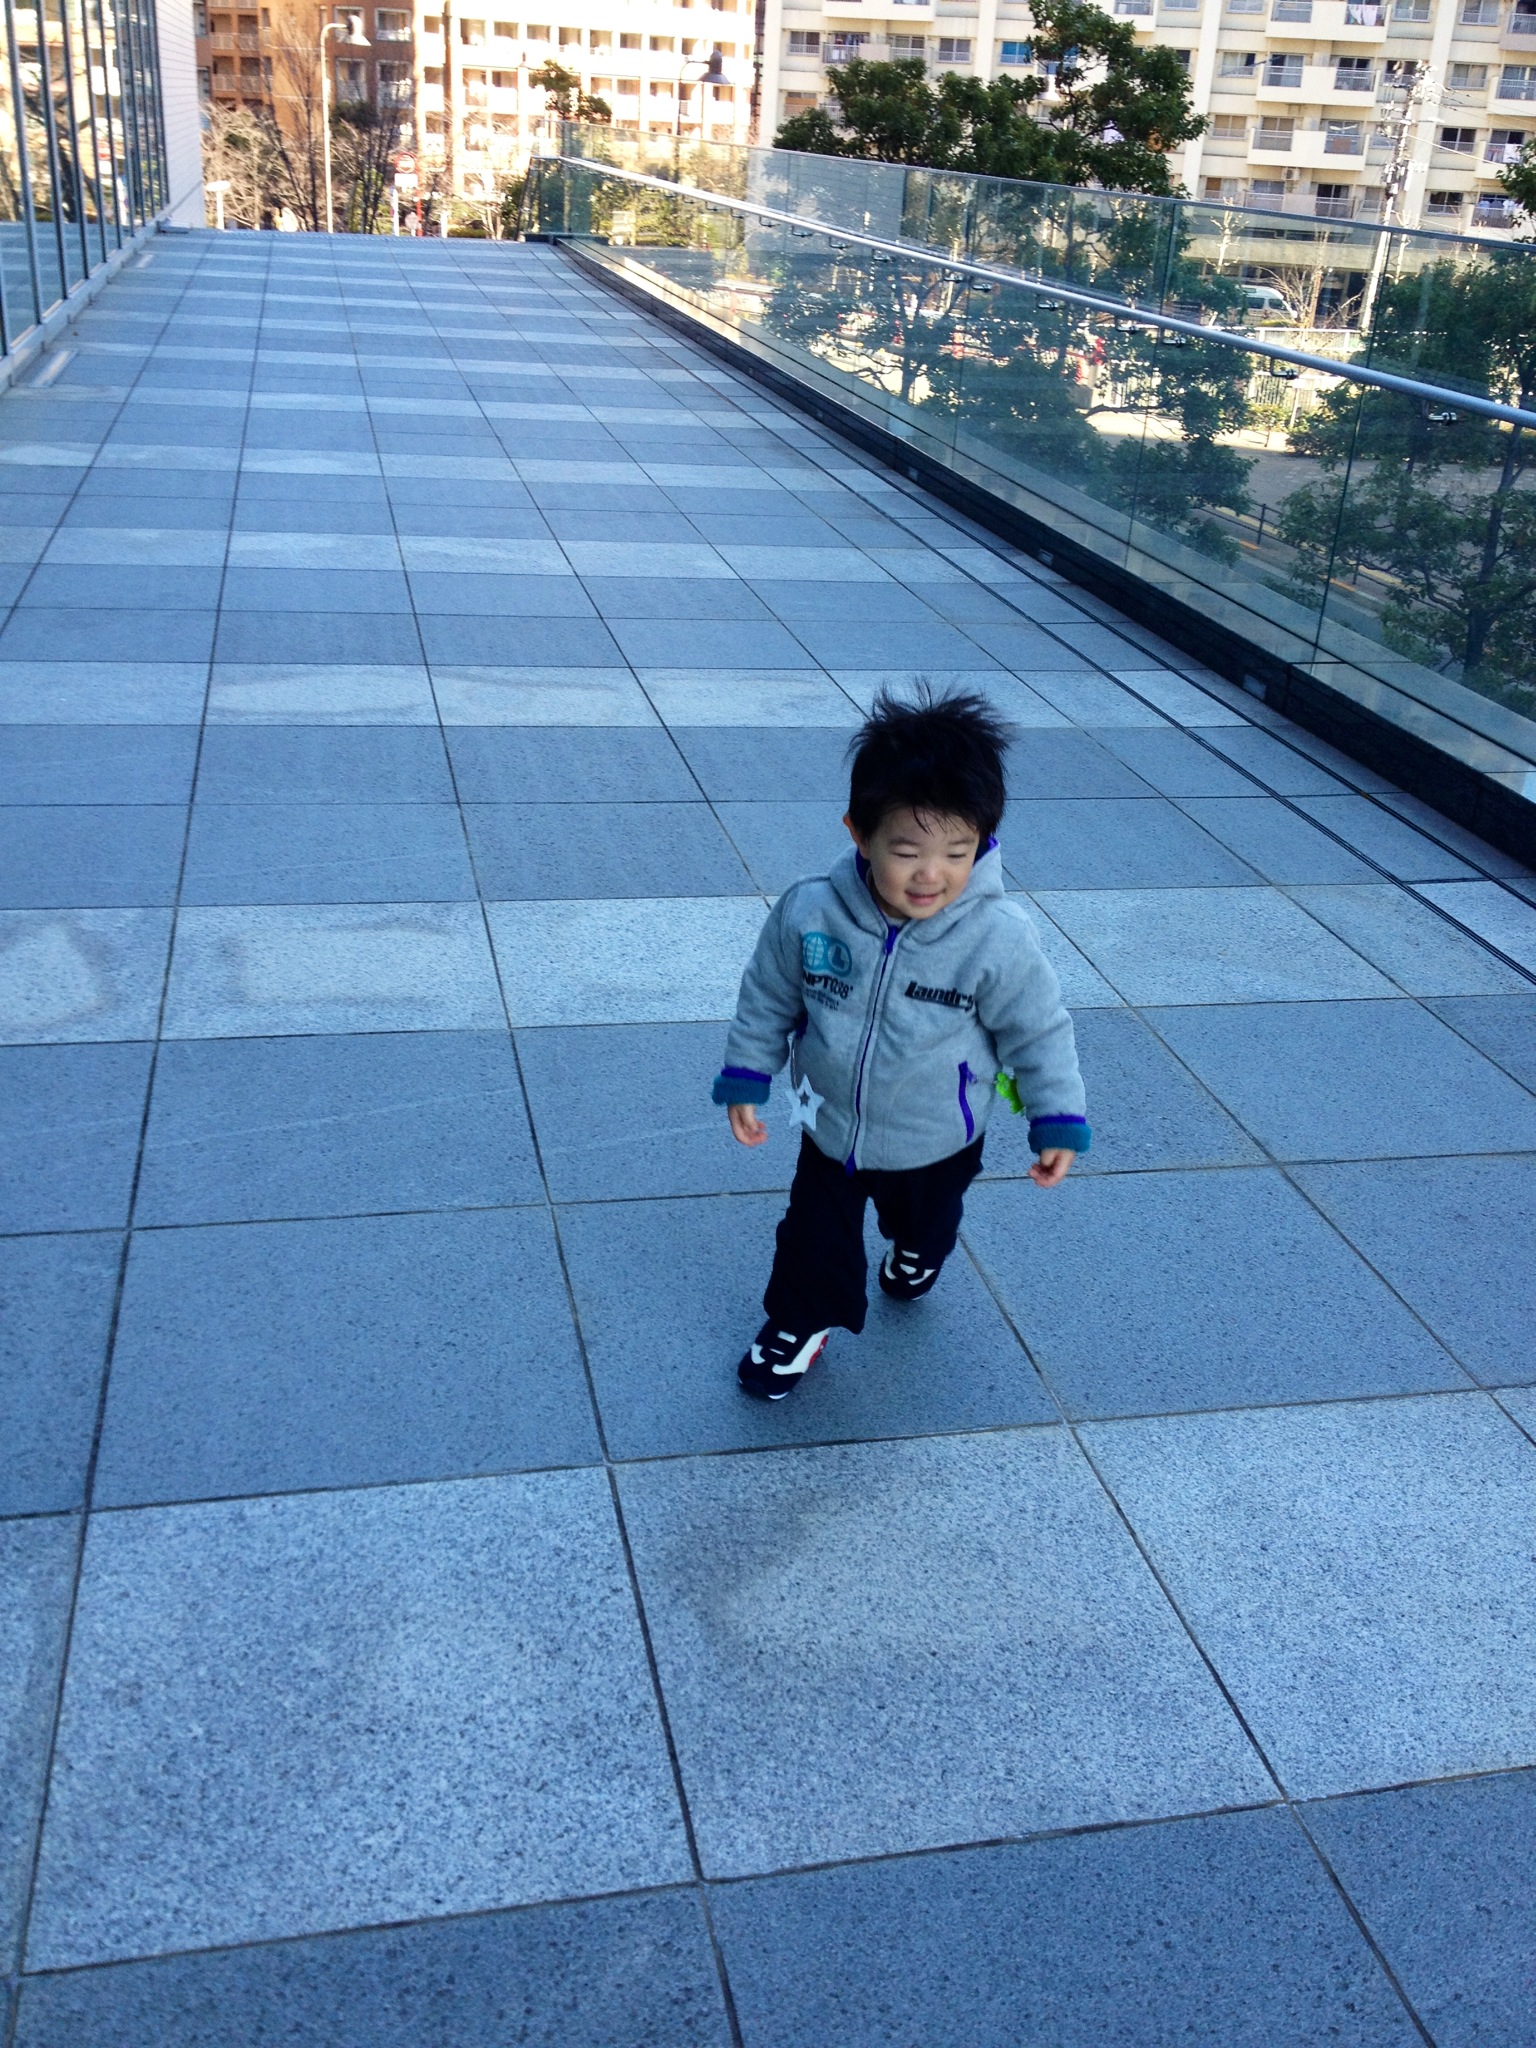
(966, 1076)
(892, 934)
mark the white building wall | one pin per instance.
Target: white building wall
(476, 106)
(1318, 146)
(183, 118)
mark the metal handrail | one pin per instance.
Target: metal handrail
(1439, 395)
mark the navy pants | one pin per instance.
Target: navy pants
(819, 1269)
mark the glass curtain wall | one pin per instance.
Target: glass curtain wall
(81, 145)
(1383, 543)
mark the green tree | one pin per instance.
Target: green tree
(1115, 113)
(1438, 504)
(1519, 178)
(564, 97)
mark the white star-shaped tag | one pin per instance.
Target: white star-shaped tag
(804, 1103)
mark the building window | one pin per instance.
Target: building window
(200, 19)
(1245, 6)
(391, 25)
(1479, 13)
(1239, 64)
(954, 49)
(536, 32)
(1444, 205)
(1133, 6)
(846, 42)
(662, 43)
(661, 88)
(503, 81)
(1523, 21)
(204, 83)
(507, 31)
(1016, 53)
(1334, 202)
(1228, 190)
(600, 39)
(798, 103)
(1410, 10)
(1343, 138)
(629, 42)
(1180, 6)
(1468, 78)
(1229, 128)
(602, 85)
(1284, 72)
(1505, 145)
(1460, 141)
(805, 42)
(629, 88)
(1353, 74)
(906, 46)
(1275, 132)
(1262, 190)
(1494, 210)
(1518, 82)
(1291, 10)
(1364, 14)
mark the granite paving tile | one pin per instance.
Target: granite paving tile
(1091, 700)
(958, 1629)
(1387, 840)
(611, 1973)
(1494, 913)
(58, 634)
(1178, 698)
(1114, 842)
(1223, 1928)
(252, 970)
(99, 857)
(656, 850)
(629, 961)
(766, 764)
(56, 1297)
(326, 853)
(1360, 1573)
(319, 764)
(568, 765)
(1422, 951)
(250, 1128)
(1209, 946)
(1427, 1226)
(488, 695)
(1279, 765)
(79, 975)
(98, 764)
(350, 639)
(348, 1709)
(1442, 1875)
(1273, 839)
(70, 1117)
(1503, 1027)
(640, 1270)
(341, 1352)
(101, 692)
(1174, 762)
(1068, 764)
(1351, 1080)
(1140, 1293)
(782, 842)
(37, 1560)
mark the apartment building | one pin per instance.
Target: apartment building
(1321, 107)
(458, 85)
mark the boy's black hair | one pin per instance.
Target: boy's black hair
(939, 756)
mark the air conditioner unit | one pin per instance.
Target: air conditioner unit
(1291, 174)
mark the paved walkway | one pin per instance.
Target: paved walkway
(457, 663)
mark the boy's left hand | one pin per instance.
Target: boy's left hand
(1051, 1168)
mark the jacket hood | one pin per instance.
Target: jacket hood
(849, 876)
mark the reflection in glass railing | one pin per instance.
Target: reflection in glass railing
(1381, 542)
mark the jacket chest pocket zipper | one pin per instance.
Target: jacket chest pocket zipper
(966, 1077)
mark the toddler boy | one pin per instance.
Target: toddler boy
(901, 983)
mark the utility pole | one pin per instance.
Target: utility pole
(450, 115)
(1419, 98)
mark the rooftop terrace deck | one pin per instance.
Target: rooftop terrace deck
(1134, 1643)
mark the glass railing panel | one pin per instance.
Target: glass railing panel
(1050, 409)
(1220, 463)
(16, 228)
(1418, 540)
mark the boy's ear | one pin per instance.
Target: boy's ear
(856, 835)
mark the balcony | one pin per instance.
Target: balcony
(1306, 148)
(439, 1594)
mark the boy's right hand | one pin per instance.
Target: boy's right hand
(745, 1126)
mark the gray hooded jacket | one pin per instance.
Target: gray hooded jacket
(901, 1029)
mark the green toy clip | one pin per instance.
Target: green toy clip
(1008, 1088)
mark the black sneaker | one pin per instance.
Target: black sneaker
(904, 1277)
(777, 1361)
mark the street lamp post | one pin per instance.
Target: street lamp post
(698, 71)
(352, 29)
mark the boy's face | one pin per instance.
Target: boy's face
(917, 862)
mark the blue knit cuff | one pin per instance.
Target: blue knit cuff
(1059, 1134)
(742, 1084)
